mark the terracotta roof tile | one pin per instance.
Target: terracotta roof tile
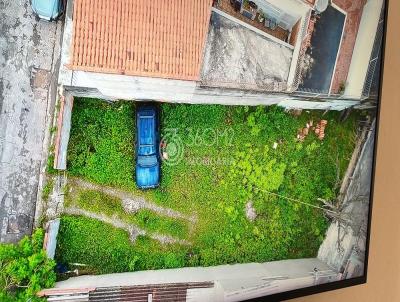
(155, 38)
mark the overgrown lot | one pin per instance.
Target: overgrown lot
(228, 161)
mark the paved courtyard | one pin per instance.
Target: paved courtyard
(28, 63)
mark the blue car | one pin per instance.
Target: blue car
(47, 9)
(147, 147)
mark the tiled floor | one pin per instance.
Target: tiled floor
(279, 33)
(354, 9)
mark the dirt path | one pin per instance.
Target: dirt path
(132, 203)
(133, 230)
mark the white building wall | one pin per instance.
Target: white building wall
(114, 87)
(292, 7)
(280, 13)
(296, 53)
(231, 282)
(363, 48)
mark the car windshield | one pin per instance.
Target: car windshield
(147, 161)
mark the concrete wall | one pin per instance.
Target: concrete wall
(65, 74)
(344, 245)
(231, 282)
(63, 132)
(298, 48)
(114, 87)
(363, 48)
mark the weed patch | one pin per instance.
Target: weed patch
(231, 155)
(101, 203)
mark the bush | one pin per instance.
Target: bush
(25, 269)
(172, 260)
(257, 170)
(101, 147)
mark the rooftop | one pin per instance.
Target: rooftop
(138, 37)
(237, 57)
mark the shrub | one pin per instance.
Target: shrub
(172, 260)
(257, 170)
(25, 269)
(101, 147)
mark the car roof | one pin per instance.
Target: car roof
(146, 129)
(48, 8)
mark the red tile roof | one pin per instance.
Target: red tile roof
(155, 38)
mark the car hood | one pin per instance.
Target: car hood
(147, 177)
(48, 9)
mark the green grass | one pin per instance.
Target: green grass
(101, 148)
(47, 189)
(107, 249)
(217, 176)
(101, 203)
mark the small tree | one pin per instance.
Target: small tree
(25, 269)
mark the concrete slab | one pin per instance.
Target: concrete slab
(29, 55)
(237, 57)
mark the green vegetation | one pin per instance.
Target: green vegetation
(25, 269)
(108, 249)
(47, 189)
(101, 203)
(50, 162)
(229, 159)
(101, 148)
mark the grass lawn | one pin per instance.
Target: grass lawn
(228, 159)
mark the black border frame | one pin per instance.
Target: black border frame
(307, 291)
